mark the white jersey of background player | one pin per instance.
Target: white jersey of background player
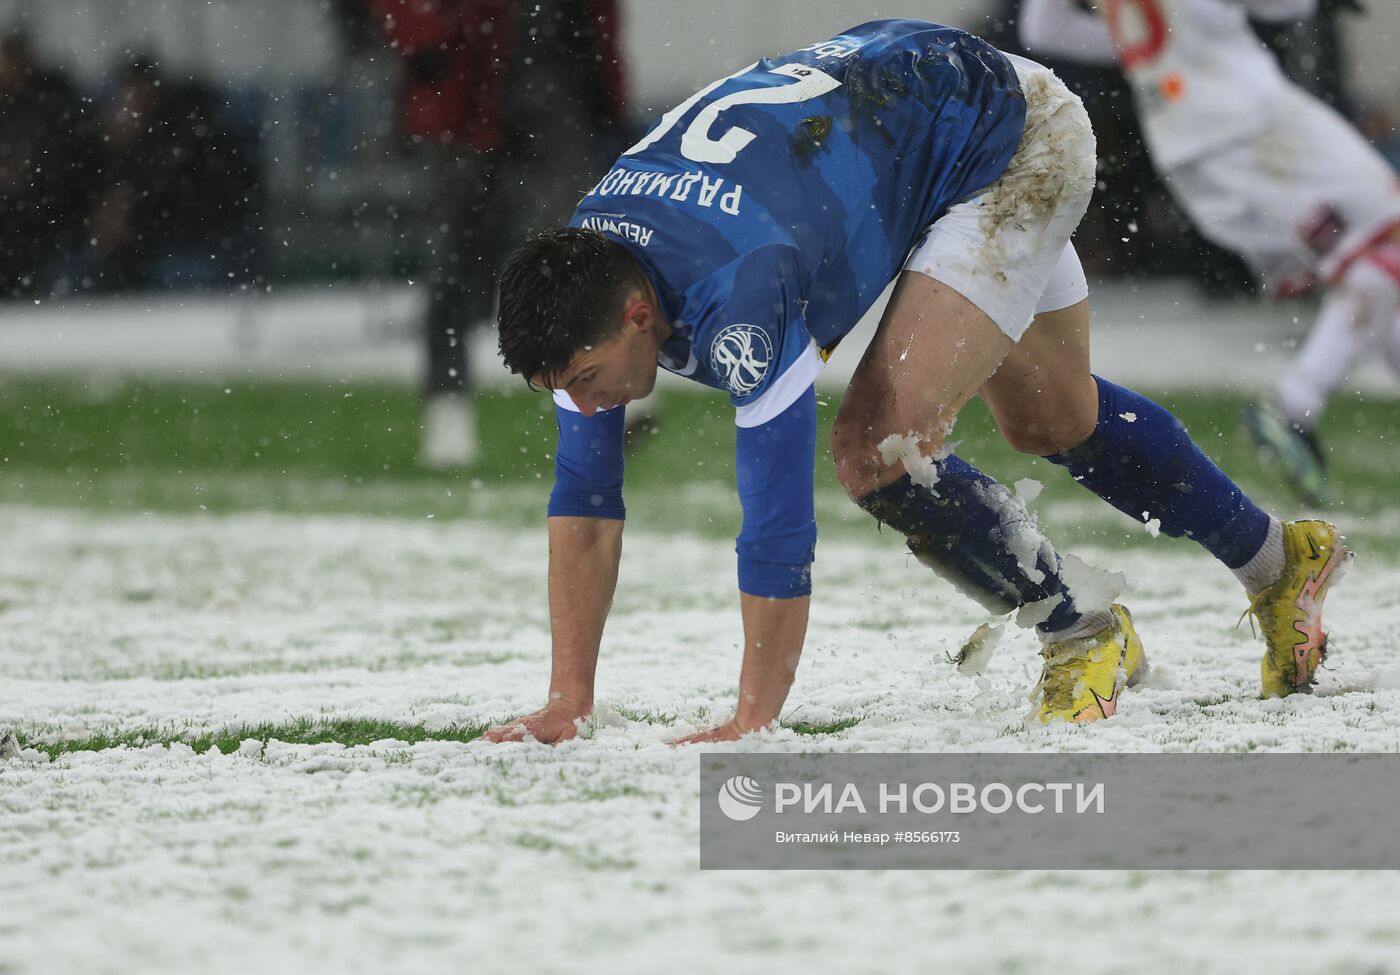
(1262, 168)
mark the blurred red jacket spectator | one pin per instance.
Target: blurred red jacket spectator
(457, 54)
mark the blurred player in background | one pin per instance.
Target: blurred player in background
(1263, 168)
(176, 192)
(746, 234)
(48, 165)
(516, 105)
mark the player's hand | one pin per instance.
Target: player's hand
(729, 731)
(551, 724)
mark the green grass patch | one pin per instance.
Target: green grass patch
(305, 731)
(146, 445)
(349, 732)
(819, 728)
(646, 717)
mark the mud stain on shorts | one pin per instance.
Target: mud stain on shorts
(1053, 165)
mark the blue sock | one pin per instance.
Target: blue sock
(973, 532)
(1141, 460)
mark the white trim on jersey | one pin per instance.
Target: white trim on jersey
(565, 401)
(784, 391)
(779, 396)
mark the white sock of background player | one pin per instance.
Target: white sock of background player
(1391, 349)
(1357, 314)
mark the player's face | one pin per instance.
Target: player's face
(613, 372)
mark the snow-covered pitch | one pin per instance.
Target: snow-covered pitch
(449, 856)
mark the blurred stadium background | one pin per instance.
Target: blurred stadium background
(281, 220)
(223, 567)
(304, 96)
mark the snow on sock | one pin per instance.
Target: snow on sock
(1141, 460)
(1264, 569)
(977, 535)
(1356, 315)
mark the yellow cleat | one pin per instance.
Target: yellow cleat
(1083, 678)
(1290, 611)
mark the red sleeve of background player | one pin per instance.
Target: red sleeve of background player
(457, 51)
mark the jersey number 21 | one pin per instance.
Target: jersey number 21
(696, 142)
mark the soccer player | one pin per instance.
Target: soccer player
(736, 244)
(1262, 168)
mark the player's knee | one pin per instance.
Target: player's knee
(1373, 281)
(867, 458)
(1057, 418)
(857, 458)
(1043, 436)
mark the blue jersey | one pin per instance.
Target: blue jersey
(770, 209)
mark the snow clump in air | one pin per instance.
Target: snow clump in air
(1094, 589)
(904, 449)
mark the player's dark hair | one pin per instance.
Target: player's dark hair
(560, 292)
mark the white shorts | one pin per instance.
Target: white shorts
(1308, 193)
(1007, 250)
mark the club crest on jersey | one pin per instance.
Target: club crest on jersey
(741, 355)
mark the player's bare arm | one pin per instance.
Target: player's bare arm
(774, 631)
(593, 378)
(584, 554)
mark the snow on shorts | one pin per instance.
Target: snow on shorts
(1307, 193)
(1007, 249)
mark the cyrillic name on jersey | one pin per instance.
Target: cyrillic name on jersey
(629, 182)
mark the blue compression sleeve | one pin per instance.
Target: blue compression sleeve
(1141, 460)
(773, 464)
(588, 465)
(977, 535)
